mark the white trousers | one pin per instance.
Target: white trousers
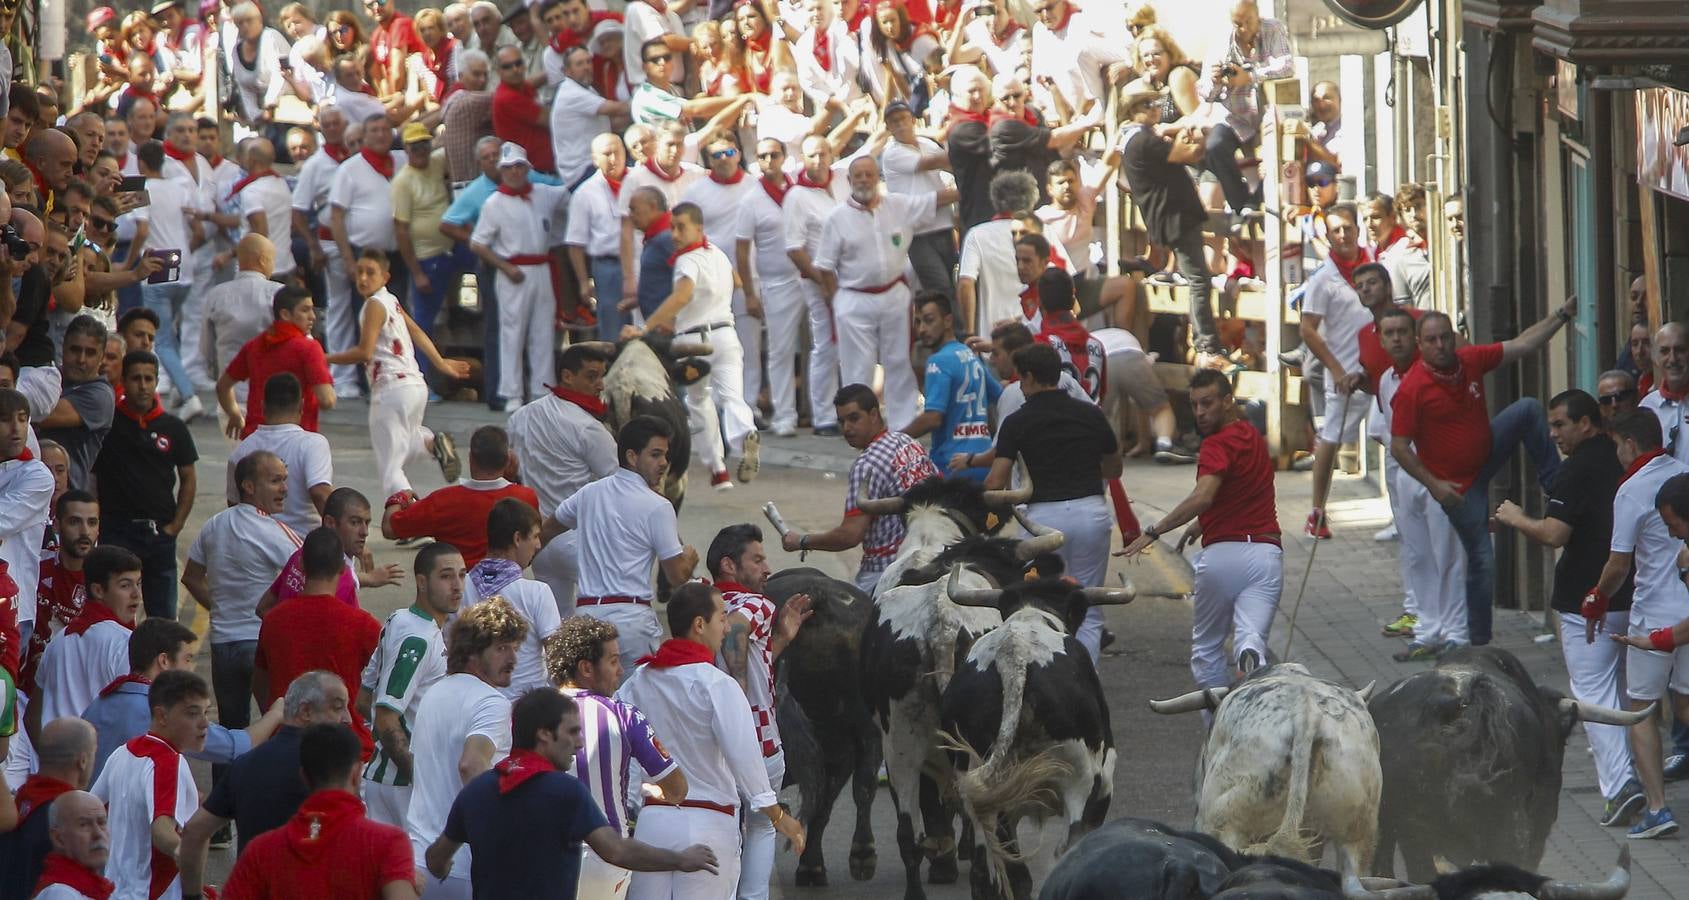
(558, 566)
(600, 880)
(192, 313)
(1237, 591)
(1085, 525)
(756, 866)
(1438, 571)
(388, 804)
(676, 828)
(749, 330)
(341, 329)
(1407, 554)
(525, 329)
(874, 329)
(1597, 675)
(455, 886)
(637, 631)
(868, 581)
(717, 401)
(396, 433)
(783, 309)
(823, 381)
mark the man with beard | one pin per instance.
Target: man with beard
(84, 412)
(959, 391)
(60, 594)
(66, 755)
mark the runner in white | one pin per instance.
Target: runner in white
(311, 218)
(816, 192)
(770, 279)
(513, 536)
(719, 199)
(360, 216)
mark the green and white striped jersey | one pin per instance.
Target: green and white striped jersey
(411, 657)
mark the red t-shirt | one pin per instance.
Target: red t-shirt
(457, 514)
(264, 356)
(1374, 361)
(1244, 506)
(328, 849)
(514, 119)
(59, 598)
(398, 34)
(318, 632)
(1448, 423)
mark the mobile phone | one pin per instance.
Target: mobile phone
(133, 184)
(171, 271)
(286, 64)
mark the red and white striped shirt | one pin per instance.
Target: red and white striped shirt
(759, 662)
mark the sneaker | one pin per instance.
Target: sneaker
(1302, 461)
(1624, 808)
(445, 453)
(721, 482)
(1174, 455)
(1657, 823)
(1415, 652)
(1402, 627)
(1448, 646)
(750, 462)
(1293, 359)
(1677, 766)
(785, 431)
(223, 838)
(190, 410)
(826, 431)
(1317, 527)
(1387, 534)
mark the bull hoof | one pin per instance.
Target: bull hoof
(943, 870)
(862, 862)
(811, 877)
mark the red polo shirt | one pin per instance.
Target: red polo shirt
(318, 632)
(515, 119)
(398, 34)
(328, 849)
(1447, 418)
(457, 514)
(1244, 506)
(283, 348)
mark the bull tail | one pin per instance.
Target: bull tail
(991, 790)
(1289, 840)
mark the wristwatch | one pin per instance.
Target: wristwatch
(1151, 532)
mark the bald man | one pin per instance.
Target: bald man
(239, 310)
(27, 334)
(90, 131)
(51, 155)
(65, 754)
(1671, 359)
(81, 846)
(266, 207)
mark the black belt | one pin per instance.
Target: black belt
(705, 329)
(596, 257)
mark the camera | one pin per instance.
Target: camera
(1229, 71)
(16, 246)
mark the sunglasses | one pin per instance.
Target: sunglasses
(101, 224)
(1616, 399)
(513, 64)
(771, 154)
(1014, 96)
(728, 153)
(1319, 182)
(342, 29)
(663, 58)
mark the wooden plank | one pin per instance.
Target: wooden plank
(1175, 376)
(1254, 306)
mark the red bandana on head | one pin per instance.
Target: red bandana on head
(678, 652)
(515, 770)
(382, 163)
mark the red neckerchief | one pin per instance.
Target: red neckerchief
(777, 194)
(1637, 463)
(658, 226)
(316, 826)
(57, 868)
(182, 156)
(515, 770)
(279, 332)
(594, 405)
(122, 680)
(1452, 380)
(1347, 269)
(1645, 384)
(682, 251)
(738, 176)
(1065, 328)
(947, 14)
(336, 152)
(1669, 394)
(915, 32)
(823, 50)
(657, 170)
(959, 115)
(142, 419)
(678, 652)
(1062, 25)
(37, 792)
(40, 181)
(440, 59)
(216, 159)
(382, 163)
(1002, 40)
(524, 191)
(1396, 234)
(149, 96)
(93, 613)
(732, 587)
(606, 71)
(241, 184)
(615, 184)
(805, 181)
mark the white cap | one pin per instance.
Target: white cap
(512, 155)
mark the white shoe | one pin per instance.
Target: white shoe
(190, 410)
(1387, 534)
(785, 431)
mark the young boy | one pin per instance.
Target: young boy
(513, 537)
(398, 394)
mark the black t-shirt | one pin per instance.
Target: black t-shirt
(1019, 146)
(969, 145)
(1062, 441)
(263, 788)
(136, 468)
(524, 845)
(22, 851)
(1582, 497)
(34, 294)
(1162, 189)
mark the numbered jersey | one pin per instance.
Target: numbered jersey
(1082, 354)
(958, 386)
(410, 658)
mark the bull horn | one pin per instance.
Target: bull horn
(1616, 885)
(1029, 548)
(1366, 692)
(884, 506)
(1354, 889)
(961, 596)
(1012, 497)
(1099, 596)
(1207, 698)
(690, 348)
(1606, 715)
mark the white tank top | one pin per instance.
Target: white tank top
(394, 361)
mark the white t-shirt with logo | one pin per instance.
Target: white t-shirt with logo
(242, 550)
(455, 709)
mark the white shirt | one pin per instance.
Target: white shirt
(167, 220)
(788, 126)
(242, 550)
(720, 204)
(643, 23)
(1075, 58)
(705, 723)
(629, 527)
(534, 602)
(875, 243)
(76, 667)
(712, 288)
(309, 463)
(822, 84)
(522, 226)
(235, 312)
(270, 196)
(575, 122)
(135, 796)
(409, 660)
(455, 709)
(367, 198)
(559, 448)
(357, 105)
(394, 359)
(988, 259)
(26, 496)
(1673, 416)
(1006, 58)
(807, 209)
(61, 892)
(310, 192)
(902, 165)
(1331, 297)
(762, 222)
(1661, 600)
(594, 224)
(644, 176)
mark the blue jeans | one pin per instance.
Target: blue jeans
(485, 276)
(232, 663)
(162, 299)
(1522, 424)
(425, 306)
(607, 287)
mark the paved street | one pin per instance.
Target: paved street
(1353, 587)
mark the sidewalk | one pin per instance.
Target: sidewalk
(1353, 588)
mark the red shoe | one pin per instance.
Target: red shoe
(1316, 527)
(721, 481)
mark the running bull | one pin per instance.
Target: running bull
(645, 379)
(1290, 758)
(1471, 752)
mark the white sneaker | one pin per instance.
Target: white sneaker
(190, 410)
(1387, 534)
